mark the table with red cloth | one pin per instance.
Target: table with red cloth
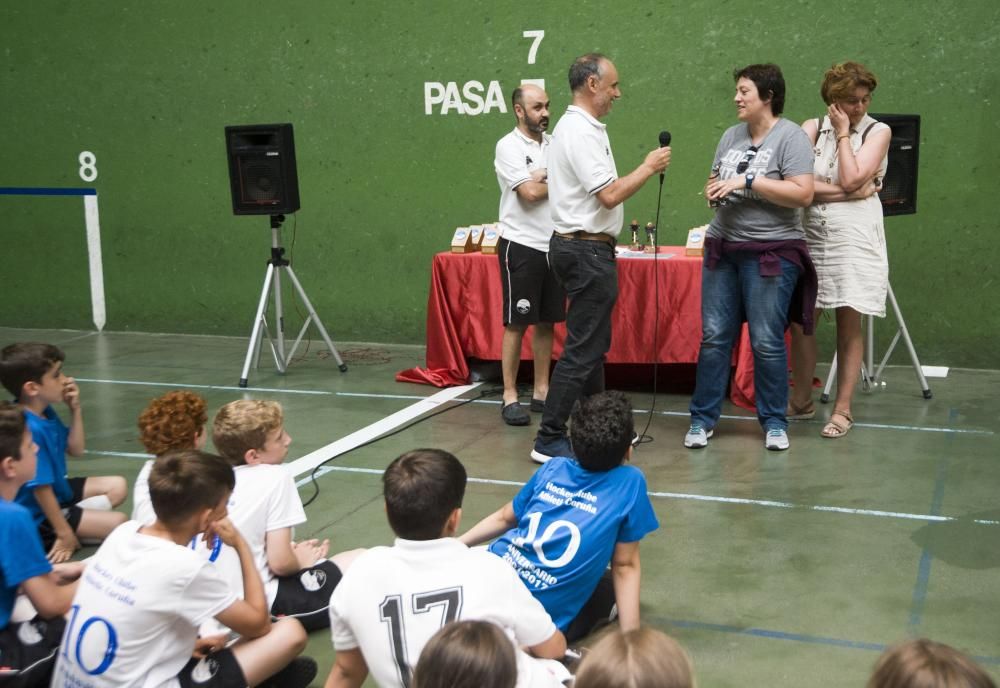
(464, 318)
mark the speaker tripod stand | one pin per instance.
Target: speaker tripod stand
(870, 379)
(272, 283)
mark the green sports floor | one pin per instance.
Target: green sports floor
(773, 569)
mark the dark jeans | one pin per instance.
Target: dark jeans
(587, 271)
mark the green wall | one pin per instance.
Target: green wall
(148, 87)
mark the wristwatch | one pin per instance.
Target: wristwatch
(750, 177)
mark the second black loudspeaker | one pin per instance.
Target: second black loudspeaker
(262, 173)
(899, 188)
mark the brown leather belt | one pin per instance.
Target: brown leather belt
(588, 236)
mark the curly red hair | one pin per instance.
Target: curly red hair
(172, 422)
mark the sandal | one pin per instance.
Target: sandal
(804, 412)
(838, 428)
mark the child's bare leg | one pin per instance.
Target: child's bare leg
(96, 525)
(344, 559)
(113, 487)
(263, 657)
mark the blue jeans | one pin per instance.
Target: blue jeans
(735, 291)
(588, 273)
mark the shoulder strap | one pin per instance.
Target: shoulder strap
(864, 134)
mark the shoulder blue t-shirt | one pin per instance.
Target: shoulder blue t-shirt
(569, 520)
(51, 436)
(21, 555)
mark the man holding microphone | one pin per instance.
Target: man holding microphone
(585, 200)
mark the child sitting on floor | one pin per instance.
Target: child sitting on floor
(27, 648)
(65, 510)
(265, 506)
(144, 594)
(574, 517)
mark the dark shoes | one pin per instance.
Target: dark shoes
(545, 450)
(537, 405)
(514, 414)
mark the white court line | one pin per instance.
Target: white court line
(369, 395)
(660, 495)
(703, 498)
(370, 432)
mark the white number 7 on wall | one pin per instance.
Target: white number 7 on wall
(538, 35)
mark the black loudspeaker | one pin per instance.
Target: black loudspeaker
(262, 172)
(899, 188)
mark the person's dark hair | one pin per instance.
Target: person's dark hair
(25, 362)
(769, 82)
(11, 430)
(601, 429)
(467, 654)
(517, 97)
(923, 663)
(583, 68)
(421, 489)
(182, 483)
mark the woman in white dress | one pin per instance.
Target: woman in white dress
(844, 231)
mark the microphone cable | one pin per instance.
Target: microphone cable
(493, 391)
(644, 436)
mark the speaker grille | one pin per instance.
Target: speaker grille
(262, 174)
(899, 187)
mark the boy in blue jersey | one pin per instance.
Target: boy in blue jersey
(32, 372)
(28, 647)
(574, 517)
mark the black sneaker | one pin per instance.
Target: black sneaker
(514, 414)
(543, 451)
(299, 673)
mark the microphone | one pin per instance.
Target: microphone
(664, 142)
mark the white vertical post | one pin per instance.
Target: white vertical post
(96, 263)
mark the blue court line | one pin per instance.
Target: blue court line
(44, 191)
(792, 637)
(924, 567)
(367, 395)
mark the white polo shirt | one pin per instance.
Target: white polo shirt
(580, 165)
(522, 222)
(393, 599)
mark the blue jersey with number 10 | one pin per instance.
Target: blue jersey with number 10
(569, 520)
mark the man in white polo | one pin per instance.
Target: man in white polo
(585, 200)
(531, 293)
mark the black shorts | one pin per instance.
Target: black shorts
(306, 595)
(70, 511)
(531, 293)
(28, 652)
(217, 670)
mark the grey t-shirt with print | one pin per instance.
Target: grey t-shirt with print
(784, 152)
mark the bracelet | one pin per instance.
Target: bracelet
(843, 136)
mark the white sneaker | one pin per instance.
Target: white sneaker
(776, 439)
(697, 436)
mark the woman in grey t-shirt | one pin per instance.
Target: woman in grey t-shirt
(755, 253)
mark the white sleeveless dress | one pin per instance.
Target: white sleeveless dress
(847, 239)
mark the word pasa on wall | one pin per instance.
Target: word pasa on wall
(473, 97)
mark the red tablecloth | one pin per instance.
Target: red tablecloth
(464, 321)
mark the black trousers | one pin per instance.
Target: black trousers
(589, 274)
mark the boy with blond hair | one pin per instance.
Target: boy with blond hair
(64, 509)
(266, 506)
(27, 648)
